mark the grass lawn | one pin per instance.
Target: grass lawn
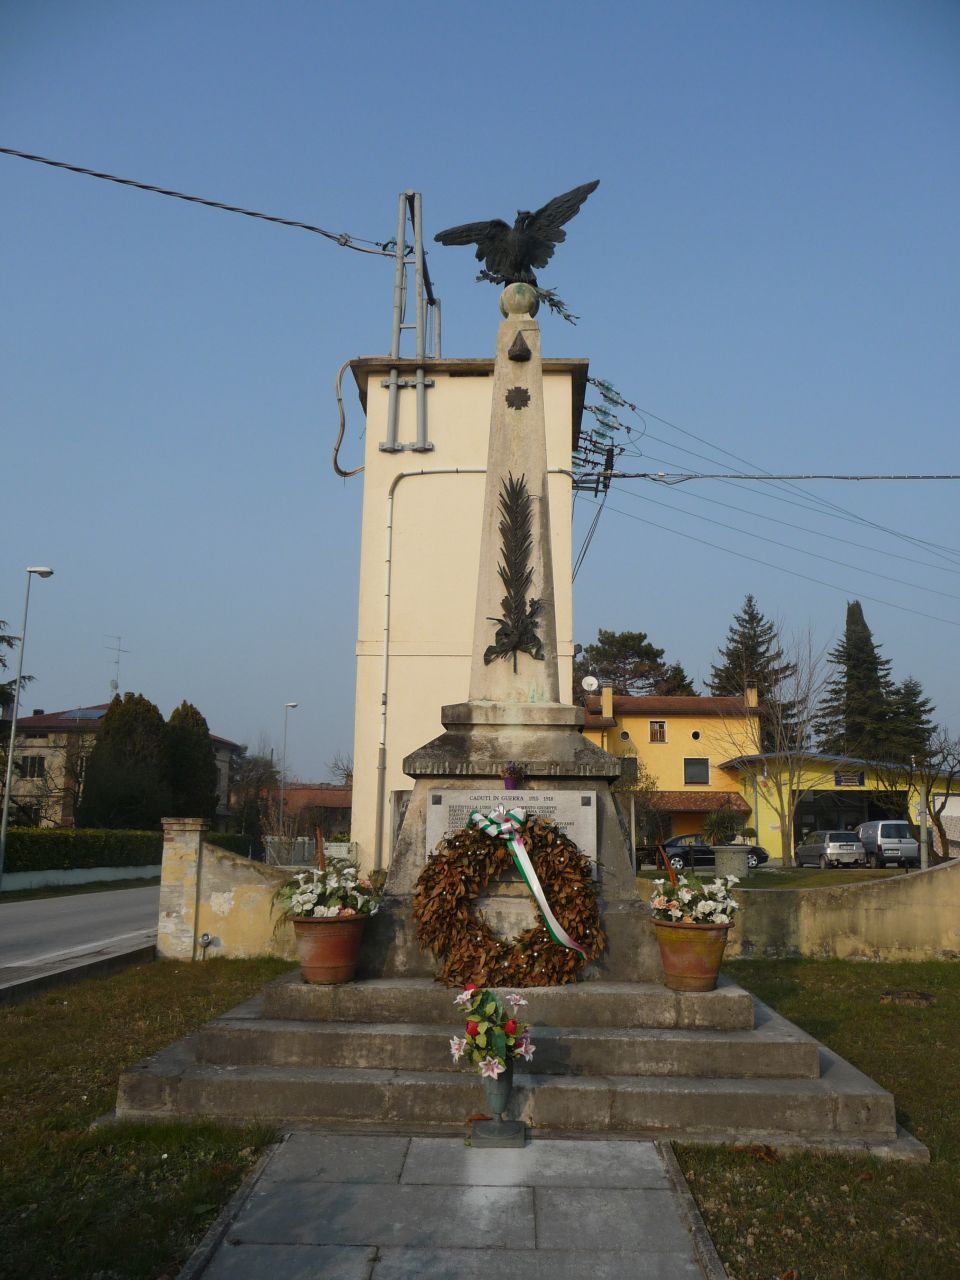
(89, 886)
(813, 1217)
(787, 878)
(119, 1202)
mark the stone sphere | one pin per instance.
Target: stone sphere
(519, 300)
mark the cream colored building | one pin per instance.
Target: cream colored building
(420, 543)
(52, 749)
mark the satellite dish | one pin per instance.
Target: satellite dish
(590, 684)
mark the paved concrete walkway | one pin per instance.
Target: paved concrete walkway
(356, 1207)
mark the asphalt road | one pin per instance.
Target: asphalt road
(43, 931)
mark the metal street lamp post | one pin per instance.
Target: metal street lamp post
(42, 572)
(287, 707)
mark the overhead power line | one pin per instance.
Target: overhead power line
(357, 243)
(613, 397)
(678, 477)
(794, 573)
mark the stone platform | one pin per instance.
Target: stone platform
(612, 1059)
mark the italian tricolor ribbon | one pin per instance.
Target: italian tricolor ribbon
(507, 825)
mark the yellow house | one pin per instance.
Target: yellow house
(424, 464)
(829, 792)
(682, 742)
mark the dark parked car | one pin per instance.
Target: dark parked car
(691, 851)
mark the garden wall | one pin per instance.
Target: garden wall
(908, 917)
(206, 889)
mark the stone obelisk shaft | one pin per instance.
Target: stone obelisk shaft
(517, 452)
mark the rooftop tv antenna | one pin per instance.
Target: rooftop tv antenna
(117, 649)
(411, 260)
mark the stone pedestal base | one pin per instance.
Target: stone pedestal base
(479, 740)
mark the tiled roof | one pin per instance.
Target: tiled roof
(301, 795)
(678, 705)
(74, 720)
(698, 801)
(84, 720)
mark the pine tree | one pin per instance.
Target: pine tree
(125, 783)
(911, 727)
(753, 655)
(856, 715)
(631, 664)
(191, 764)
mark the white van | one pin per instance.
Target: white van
(889, 843)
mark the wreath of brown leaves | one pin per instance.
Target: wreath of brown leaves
(464, 943)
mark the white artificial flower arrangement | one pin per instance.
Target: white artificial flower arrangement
(336, 891)
(693, 901)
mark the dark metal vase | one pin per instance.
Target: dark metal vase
(498, 1091)
(498, 1132)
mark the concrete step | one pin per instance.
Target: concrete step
(841, 1104)
(774, 1049)
(620, 1005)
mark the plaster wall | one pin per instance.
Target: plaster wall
(434, 562)
(909, 917)
(204, 889)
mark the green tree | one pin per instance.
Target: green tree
(126, 776)
(752, 655)
(631, 664)
(911, 726)
(254, 780)
(191, 765)
(6, 686)
(855, 716)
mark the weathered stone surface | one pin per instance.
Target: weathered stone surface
(390, 1216)
(841, 1104)
(595, 1004)
(774, 1051)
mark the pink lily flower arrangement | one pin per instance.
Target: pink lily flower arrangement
(494, 1034)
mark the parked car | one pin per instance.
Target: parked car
(889, 843)
(690, 851)
(831, 849)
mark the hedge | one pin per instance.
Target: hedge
(233, 843)
(66, 848)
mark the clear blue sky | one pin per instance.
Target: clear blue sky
(770, 262)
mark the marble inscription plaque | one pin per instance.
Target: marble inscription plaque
(574, 812)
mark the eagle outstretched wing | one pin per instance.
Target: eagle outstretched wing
(491, 238)
(510, 253)
(544, 229)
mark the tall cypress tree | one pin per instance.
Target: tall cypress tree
(125, 783)
(191, 766)
(857, 712)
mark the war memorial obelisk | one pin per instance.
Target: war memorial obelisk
(513, 711)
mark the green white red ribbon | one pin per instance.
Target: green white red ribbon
(507, 825)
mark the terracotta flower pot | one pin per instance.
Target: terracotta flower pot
(327, 949)
(691, 953)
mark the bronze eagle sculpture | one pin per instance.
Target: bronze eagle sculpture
(509, 254)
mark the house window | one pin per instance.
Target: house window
(696, 771)
(658, 730)
(32, 767)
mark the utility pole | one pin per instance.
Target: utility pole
(922, 819)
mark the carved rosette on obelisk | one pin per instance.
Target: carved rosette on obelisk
(513, 711)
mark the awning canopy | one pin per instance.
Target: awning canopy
(699, 801)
